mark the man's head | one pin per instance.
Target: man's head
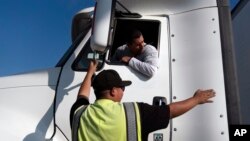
(135, 41)
(108, 84)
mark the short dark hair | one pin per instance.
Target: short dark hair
(133, 34)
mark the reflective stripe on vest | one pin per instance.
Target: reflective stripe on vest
(132, 121)
(131, 117)
(76, 121)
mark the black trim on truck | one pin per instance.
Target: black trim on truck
(229, 65)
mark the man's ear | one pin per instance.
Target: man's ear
(113, 91)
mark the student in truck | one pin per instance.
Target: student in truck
(137, 54)
(107, 119)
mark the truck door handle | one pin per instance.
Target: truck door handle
(159, 101)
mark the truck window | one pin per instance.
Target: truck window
(81, 62)
(149, 29)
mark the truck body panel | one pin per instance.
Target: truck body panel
(189, 39)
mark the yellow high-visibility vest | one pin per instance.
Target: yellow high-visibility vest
(106, 120)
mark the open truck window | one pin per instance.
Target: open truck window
(149, 29)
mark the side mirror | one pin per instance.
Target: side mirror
(101, 29)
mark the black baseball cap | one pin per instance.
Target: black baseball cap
(107, 79)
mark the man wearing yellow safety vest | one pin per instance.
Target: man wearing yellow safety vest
(107, 119)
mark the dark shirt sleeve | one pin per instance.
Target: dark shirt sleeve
(153, 118)
(77, 104)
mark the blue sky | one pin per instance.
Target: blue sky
(34, 34)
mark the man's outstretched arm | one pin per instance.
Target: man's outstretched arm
(200, 97)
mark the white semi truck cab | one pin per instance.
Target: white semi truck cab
(194, 42)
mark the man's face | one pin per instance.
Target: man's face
(137, 45)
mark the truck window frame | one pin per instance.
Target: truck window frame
(151, 35)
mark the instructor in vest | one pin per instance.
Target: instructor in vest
(107, 119)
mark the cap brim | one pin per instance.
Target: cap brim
(126, 83)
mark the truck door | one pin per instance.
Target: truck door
(143, 89)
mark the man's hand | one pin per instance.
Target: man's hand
(203, 96)
(200, 97)
(125, 59)
(92, 66)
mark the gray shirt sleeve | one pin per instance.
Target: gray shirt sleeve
(120, 52)
(146, 62)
